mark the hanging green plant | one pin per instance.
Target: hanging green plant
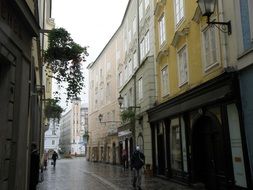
(52, 110)
(127, 115)
(64, 58)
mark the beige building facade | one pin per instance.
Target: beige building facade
(130, 52)
(103, 141)
(72, 129)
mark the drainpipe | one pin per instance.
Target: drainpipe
(134, 76)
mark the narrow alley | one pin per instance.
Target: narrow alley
(78, 174)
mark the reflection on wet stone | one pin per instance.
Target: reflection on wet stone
(78, 174)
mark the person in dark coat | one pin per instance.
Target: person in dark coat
(34, 167)
(54, 157)
(124, 159)
(137, 162)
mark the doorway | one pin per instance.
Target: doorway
(208, 153)
(113, 153)
(160, 150)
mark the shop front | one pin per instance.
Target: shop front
(198, 137)
(125, 137)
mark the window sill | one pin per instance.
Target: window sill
(207, 69)
(183, 84)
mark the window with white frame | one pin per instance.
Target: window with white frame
(126, 73)
(108, 66)
(162, 29)
(118, 55)
(130, 97)
(183, 66)
(164, 81)
(125, 38)
(140, 11)
(113, 115)
(120, 79)
(135, 60)
(146, 4)
(130, 67)
(125, 101)
(210, 47)
(134, 25)
(144, 46)
(129, 36)
(101, 74)
(179, 10)
(108, 91)
(142, 49)
(147, 45)
(140, 88)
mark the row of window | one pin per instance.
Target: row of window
(143, 6)
(128, 97)
(210, 58)
(144, 46)
(179, 15)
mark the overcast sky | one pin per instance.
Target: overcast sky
(90, 23)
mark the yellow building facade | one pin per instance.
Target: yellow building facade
(198, 101)
(186, 34)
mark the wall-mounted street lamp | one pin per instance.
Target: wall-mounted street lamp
(100, 117)
(120, 101)
(207, 8)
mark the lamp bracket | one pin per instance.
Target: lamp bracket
(225, 30)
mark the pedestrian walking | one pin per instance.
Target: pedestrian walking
(124, 159)
(54, 157)
(34, 167)
(137, 162)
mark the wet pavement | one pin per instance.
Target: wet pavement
(79, 174)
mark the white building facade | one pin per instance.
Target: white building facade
(52, 136)
(72, 129)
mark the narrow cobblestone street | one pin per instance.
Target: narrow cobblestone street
(78, 174)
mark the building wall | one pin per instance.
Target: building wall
(244, 57)
(16, 63)
(65, 132)
(103, 98)
(72, 130)
(187, 33)
(246, 78)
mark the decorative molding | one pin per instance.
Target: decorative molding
(108, 76)
(120, 66)
(159, 5)
(197, 15)
(162, 53)
(178, 35)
